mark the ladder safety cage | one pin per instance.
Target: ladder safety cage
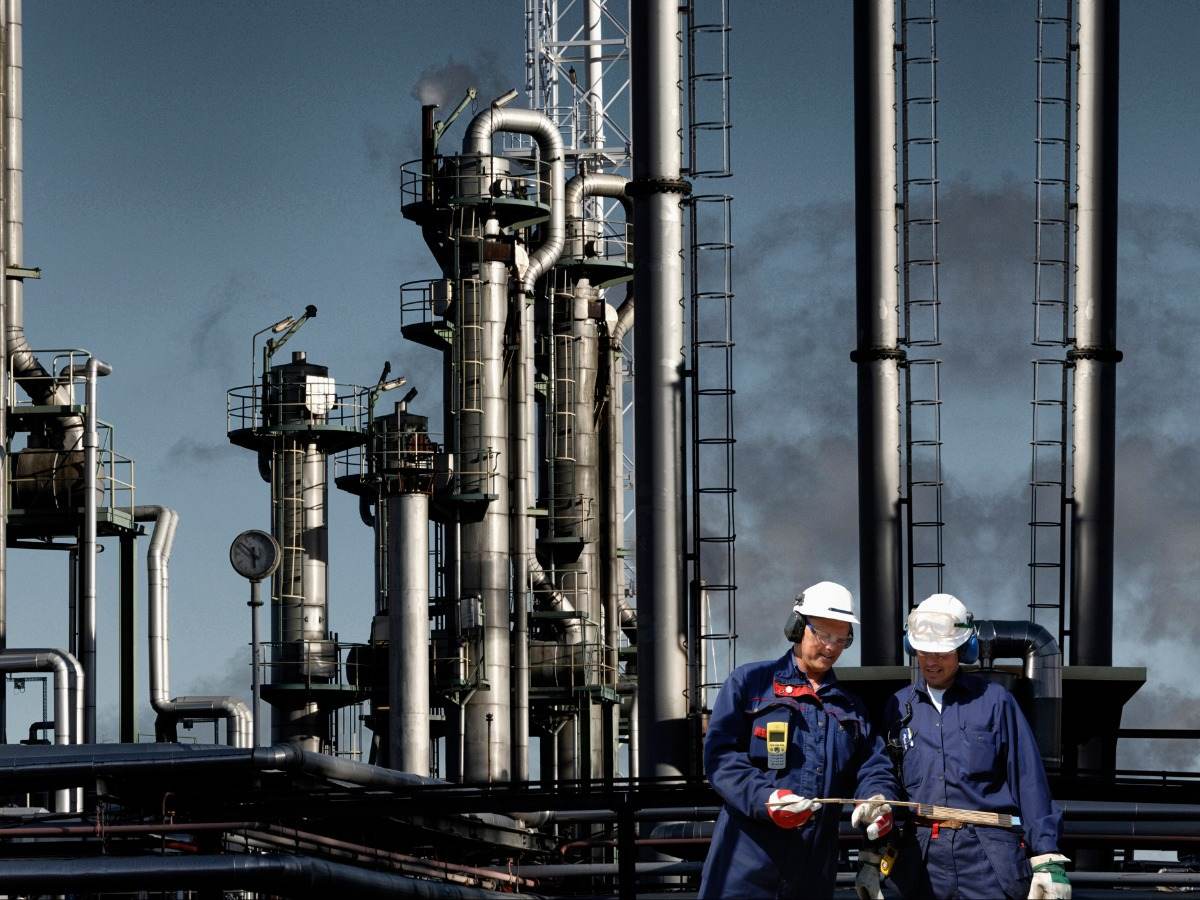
(1053, 272)
(920, 264)
(712, 597)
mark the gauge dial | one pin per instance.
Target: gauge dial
(254, 554)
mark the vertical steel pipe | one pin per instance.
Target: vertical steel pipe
(1095, 355)
(484, 544)
(657, 189)
(408, 632)
(4, 364)
(237, 716)
(68, 693)
(87, 547)
(877, 353)
(593, 17)
(522, 443)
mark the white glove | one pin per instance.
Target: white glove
(875, 815)
(866, 883)
(788, 810)
(1049, 880)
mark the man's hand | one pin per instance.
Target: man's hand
(1049, 879)
(866, 883)
(875, 815)
(788, 810)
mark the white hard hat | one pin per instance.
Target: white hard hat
(826, 600)
(941, 623)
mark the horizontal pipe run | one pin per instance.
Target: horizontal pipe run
(588, 870)
(100, 830)
(434, 867)
(296, 876)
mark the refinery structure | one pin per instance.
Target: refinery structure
(555, 578)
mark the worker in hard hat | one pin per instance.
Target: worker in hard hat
(956, 739)
(783, 732)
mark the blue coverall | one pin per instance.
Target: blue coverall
(978, 753)
(828, 738)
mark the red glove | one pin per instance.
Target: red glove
(789, 810)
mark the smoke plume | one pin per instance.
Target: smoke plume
(447, 83)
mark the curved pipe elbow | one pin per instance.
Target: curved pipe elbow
(478, 141)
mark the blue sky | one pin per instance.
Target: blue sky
(195, 171)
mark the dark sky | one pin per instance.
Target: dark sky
(195, 171)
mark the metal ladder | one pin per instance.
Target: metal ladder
(921, 300)
(1049, 497)
(712, 595)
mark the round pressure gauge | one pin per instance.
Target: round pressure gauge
(254, 554)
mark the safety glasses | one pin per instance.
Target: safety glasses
(934, 626)
(830, 640)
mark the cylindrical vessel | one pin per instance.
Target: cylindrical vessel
(877, 354)
(659, 389)
(1095, 355)
(408, 632)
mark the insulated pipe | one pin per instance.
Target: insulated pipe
(68, 675)
(239, 722)
(408, 632)
(1041, 666)
(521, 467)
(1095, 354)
(273, 873)
(4, 366)
(87, 548)
(877, 353)
(478, 140)
(591, 185)
(657, 189)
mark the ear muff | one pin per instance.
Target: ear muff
(969, 652)
(793, 629)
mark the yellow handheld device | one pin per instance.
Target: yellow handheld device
(888, 861)
(777, 742)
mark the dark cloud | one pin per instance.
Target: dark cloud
(797, 483)
(1159, 706)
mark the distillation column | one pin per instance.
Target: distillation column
(1095, 354)
(877, 353)
(403, 461)
(657, 190)
(296, 422)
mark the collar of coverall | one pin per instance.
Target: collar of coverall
(789, 673)
(961, 679)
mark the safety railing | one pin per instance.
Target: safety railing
(296, 403)
(471, 181)
(315, 662)
(592, 239)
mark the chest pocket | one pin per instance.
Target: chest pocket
(981, 752)
(778, 711)
(847, 738)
